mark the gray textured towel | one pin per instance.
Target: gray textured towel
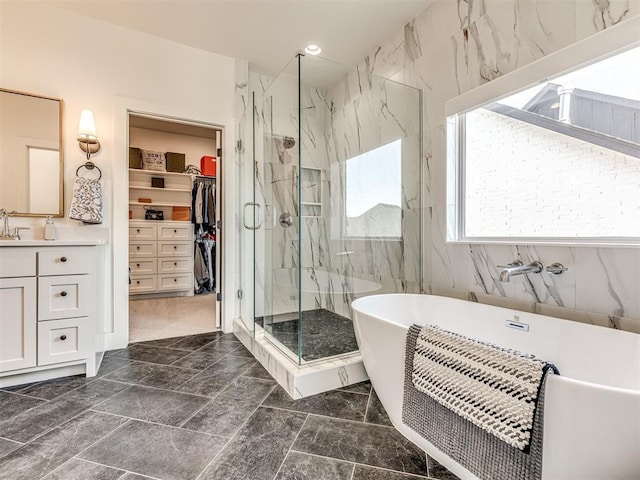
(86, 204)
(477, 450)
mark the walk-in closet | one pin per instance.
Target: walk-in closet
(174, 220)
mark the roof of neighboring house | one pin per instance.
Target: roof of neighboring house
(606, 120)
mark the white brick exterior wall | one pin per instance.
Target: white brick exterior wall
(556, 185)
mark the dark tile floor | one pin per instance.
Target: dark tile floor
(198, 407)
(324, 333)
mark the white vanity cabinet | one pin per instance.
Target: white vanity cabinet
(48, 316)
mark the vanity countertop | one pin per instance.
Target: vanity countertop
(50, 243)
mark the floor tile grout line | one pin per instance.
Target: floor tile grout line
(124, 470)
(160, 388)
(68, 419)
(26, 394)
(366, 410)
(291, 446)
(414, 475)
(12, 441)
(151, 422)
(230, 440)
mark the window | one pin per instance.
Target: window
(373, 200)
(557, 161)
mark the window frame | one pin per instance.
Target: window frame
(597, 47)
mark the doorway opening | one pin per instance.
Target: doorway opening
(175, 250)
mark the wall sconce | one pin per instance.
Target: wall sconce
(87, 136)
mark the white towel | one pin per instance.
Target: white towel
(86, 204)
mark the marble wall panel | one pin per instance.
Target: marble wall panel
(452, 47)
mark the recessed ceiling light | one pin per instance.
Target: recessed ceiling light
(312, 49)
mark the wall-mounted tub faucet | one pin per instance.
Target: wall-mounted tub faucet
(518, 268)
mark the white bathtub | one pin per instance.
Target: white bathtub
(592, 411)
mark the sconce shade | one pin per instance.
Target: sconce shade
(87, 128)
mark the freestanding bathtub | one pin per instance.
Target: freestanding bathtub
(592, 411)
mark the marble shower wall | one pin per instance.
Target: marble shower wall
(455, 46)
(339, 120)
(365, 111)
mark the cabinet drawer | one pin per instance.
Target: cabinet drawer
(63, 296)
(17, 262)
(174, 249)
(174, 265)
(64, 261)
(142, 284)
(143, 266)
(63, 340)
(183, 232)
(143, 232)
(142, 249)
(180, 281)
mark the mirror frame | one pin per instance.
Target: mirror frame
(60, 213)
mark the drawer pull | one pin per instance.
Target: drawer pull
(138, 265)
(175, 264)
(63, 294)
(175, 247)
(175, 231)
(138, 247)
(63, 259)
(138, 282)
(63, 337)
(175, 279)
(138, 230)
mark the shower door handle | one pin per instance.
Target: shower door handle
(244, 216)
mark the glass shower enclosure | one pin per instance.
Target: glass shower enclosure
(336, 201)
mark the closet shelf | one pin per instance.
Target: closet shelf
(159, 189)
(161, 204)
(157, 173)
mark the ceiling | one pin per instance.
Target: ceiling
(267, 33)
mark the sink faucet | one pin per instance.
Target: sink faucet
(518, 268)
(6, 233)
(5, 229)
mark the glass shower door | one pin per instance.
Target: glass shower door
(277, 240)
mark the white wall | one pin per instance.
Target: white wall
(105, 68)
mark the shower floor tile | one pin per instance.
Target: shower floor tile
(324, 333)
(244, 428)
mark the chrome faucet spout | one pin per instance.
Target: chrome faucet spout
(518, 268)
(5, 229)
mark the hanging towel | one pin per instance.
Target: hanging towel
(86, 204)
(478, 403)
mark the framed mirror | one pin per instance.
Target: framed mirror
(31, 157)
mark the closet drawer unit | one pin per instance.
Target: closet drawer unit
(143, 266)
(174, 265)
(142, 284)
(175, 232)
(143, 232)
(63, 340)
(181, 281)
(174, 249)
(64, 296)
(143, 249)
(17, 262)
(64, 261)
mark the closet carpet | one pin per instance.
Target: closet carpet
(198, 407)
(150, 319)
